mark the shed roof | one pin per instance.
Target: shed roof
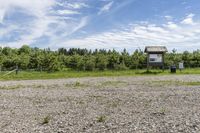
(155, 49)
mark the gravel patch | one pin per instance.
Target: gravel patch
(105, 104)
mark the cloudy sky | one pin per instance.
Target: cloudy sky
(107, 24)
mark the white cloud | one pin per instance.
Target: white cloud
(106, 8)
(171, 25)
(58, 39)
(57, 25)
(67, 12)
(36, 7)
(6, 30)
(172, 35)
(82, 24)
(72, 28)
(2, 13)
(47, 21)
(189, 20)
(169, 18)
(77, 5)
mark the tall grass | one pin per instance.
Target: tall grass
(25, 75)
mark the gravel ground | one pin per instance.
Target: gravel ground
(106, 104)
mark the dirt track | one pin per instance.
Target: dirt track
(113, 104)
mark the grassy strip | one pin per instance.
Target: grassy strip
(177, 83)
(191, 83)
(27, 75)
(11, 87)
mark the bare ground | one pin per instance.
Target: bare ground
(107, 104)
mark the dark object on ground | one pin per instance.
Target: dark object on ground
(173, 69)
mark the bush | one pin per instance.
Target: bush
(120, 66)
(90, 64)
(101, 62)
(81, 64)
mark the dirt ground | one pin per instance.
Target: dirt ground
(141, 104)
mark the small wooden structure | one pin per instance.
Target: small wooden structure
(155, 56)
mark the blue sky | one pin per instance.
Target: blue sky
(107, 24)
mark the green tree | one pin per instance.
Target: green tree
(7, 51)
(101, 62)
(90, 63)
(113, 60)
(25, 49)
(187, 58)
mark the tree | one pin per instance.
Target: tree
(73, 61)
(25, 49)
(196, 58)
(83, 59)
(9, 62)
(90, 63)
(113, 59)
(62, 51)
(187, 58)
(7, 51)
(135, 58)
(126, 58)
(23, 61)
(101, 62)
(51, 63)
(81, 64)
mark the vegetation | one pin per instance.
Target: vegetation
(192, 83)
(27, 58)
(46, 120)
(11, 87)
(24, 75)
(177, 83)
(101, 118)
(35, 63)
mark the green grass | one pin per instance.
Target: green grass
(177, 83)
(192, 83)
(26, 75)
(46, 120)
(113, 83)
(101, 118)
(11, 87)
(76, 85)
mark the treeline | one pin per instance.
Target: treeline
(27, 58)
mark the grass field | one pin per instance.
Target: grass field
(23, 75)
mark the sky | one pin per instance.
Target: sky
(101, 24)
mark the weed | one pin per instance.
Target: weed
(68, 85)
(46, 120)
(38, 86)
(81, 102)
(162, 111)
(177, 83)
(113, 83)
(77, 84)
(114, 104)
(97, 97)
(192, 83)
(101, 118)
(11, 87)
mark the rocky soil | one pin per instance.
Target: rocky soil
(138, 104)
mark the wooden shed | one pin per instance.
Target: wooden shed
(155, 55)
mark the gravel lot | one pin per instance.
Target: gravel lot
(106, 104)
